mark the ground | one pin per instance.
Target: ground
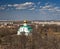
(42, 37)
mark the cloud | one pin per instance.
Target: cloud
(32, 9)
(47, 7)
(24, 5)
(9, 5)
(2, 8)
(50, 8)
(57, 9)
(30, 6)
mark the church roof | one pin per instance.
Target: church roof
(28, 27)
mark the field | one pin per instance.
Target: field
(41, 37)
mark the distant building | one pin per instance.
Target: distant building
(18, 23)
(46, 22)
(6, 22)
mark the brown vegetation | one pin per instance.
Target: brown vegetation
(43, 37)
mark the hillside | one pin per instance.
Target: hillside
(42, 37)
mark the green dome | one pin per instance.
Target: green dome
(25, 28)
(28, 27)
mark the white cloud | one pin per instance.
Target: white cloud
(25, 5)
(15, 5)
(47, 7)
(9, 5)
(57, 9)
(32, 9)
(50, 8)
(31, 6)
(2, 8)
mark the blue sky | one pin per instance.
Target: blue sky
(29, 9)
